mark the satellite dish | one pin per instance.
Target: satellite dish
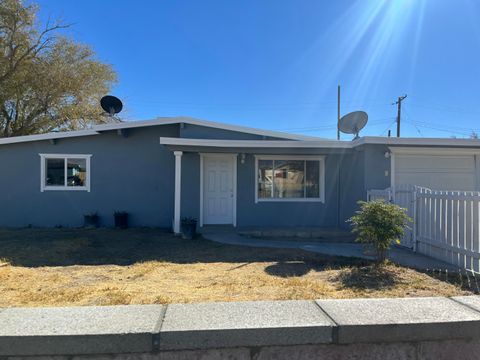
(111, 104)
(353, 122)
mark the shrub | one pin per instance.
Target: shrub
(379, 223)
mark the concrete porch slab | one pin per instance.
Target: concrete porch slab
(329, 234)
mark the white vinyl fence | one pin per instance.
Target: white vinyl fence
(446, 224)
(404, 197)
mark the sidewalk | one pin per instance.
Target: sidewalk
(398, 255)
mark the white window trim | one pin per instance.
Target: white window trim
(44, 187)
(321, 160)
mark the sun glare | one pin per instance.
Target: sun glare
(372, 34)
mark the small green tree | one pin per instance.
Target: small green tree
(379, 223)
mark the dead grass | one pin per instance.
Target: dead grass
(141, 266)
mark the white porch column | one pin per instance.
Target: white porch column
(178, 190)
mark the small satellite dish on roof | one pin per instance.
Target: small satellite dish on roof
(353, 122)
(111, 104)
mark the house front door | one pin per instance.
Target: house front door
(219, 189)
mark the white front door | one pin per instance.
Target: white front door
(219, 191)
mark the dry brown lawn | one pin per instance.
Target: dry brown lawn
(60, 267)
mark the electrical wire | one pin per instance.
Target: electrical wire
(407, 115)
(388, 128)
(380, 121)
(437, 128)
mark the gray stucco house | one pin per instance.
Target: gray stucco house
(162, 170)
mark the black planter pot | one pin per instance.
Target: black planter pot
(188, 229)
(90, 221)
(121, 220)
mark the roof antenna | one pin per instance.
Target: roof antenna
(112, 106)
(353, 122)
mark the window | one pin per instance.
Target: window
(289, 178)
(65, 172)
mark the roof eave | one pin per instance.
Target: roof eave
(206, 123)
(47, 136)
(255, 143)
(417, 141)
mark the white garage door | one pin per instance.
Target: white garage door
(437, 172)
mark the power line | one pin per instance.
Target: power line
(450, 131)
(439, 127)
(447, 127)
(441, 107)
(388, 127)
(295, 105)
(415, 126)
(332, 126)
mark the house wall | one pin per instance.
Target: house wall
(132, 173)
(190, 195)
(352, 185)
(348, 176)
(377, 167)
(288, 213)
(344, 184)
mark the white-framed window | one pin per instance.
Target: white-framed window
(64, 172)
(289, 178)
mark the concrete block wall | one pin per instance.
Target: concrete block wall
(411, 328)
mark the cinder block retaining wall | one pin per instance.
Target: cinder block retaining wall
(410, 328)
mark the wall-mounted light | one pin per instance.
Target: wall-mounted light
(242, 158)
(387, 154)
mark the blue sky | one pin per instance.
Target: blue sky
(276, 64)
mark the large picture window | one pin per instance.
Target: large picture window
(65, 172)
(289, 178)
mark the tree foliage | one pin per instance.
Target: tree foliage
(47, 82)
(379, 223)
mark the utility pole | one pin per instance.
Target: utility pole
(399, 111)
(338, 113)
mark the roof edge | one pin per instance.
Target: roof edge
(220, 143)
(47, 136)
(416, 141)
(293, 140)
(207, 123)
(319, 143)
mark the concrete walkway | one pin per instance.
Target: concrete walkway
(398, 255)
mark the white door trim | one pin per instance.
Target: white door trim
(233, 157)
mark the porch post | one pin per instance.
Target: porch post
(178, 190)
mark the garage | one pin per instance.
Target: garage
(437, 169)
